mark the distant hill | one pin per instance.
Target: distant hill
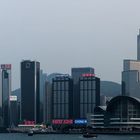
(110, 89)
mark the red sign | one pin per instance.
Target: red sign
(62, 122)
(88, 75)
(29, 122)
(6, 66)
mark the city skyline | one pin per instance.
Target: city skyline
(65, 34)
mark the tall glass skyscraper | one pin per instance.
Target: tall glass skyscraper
(30, 88)
(131, 74)
(76, 74)
(5, 88)
(62, 106)
(89, 94)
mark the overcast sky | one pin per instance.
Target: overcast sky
(61, 34)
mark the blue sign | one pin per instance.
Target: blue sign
(80, 121)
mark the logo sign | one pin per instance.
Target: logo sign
(80, 121)
(62, 122)
(6, 66)
(13, 98)
(29, 122)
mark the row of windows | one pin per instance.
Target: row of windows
(131, 109)
(87, 97)
(87, 78)
(61, 86)
(61, 98)
(85, 109)
(61, 111)
(59, 92)
(87, 85)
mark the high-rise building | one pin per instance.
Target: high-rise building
(131, 74)
(131, 78)
(76, 74)
(89, 94)
(48, 103)
(62, 106)
(43, 77)
(138, 46)
(30, 88)
(5, 93)
(13, 111)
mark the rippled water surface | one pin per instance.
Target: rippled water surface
(66, 137)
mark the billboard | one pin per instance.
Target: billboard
(6, 66)
(80, 121)
(60, 121)
(13, 98)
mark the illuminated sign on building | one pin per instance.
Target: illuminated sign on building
(29, 122)
(6, 66)
(88, 75)
(62, 122)
(80, 121)
(13, 98)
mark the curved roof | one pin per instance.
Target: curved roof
(102, 107)
(118, 98)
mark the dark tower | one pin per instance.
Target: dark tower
(30, 82)
(76, 74)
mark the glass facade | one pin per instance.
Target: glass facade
(30, 83)
(62, 97)
(5, 94)
(89, 94)
(76, 74)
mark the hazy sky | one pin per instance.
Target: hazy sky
(69, 33)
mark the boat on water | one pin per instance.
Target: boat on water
(89, 135)
(30, 133)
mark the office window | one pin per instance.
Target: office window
(89, 85)
(67, 85)
(81, 85)
(66, 97)
(85, 96)
(81, 96)
(93, 85)
(63, 86)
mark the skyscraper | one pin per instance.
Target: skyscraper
(13, 111)
(43, 78)
(62, 106)
(131, 74)
(48, 103)
(76, 74)
(5, 93)
(89, 94)
(131, 78)
(138, 46)
(30, 88)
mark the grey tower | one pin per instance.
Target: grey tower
(138, 46)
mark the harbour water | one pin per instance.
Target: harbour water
(12, 136)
